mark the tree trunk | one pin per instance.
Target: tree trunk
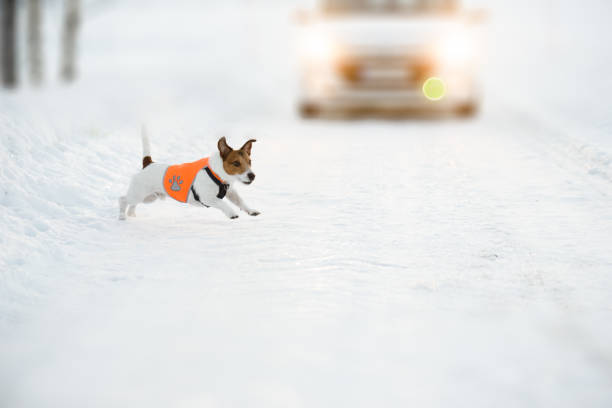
(35, 42)
(9, 43)
(69, 37)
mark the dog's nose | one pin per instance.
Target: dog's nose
(251, 176)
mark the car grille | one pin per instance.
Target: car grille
(384, 72)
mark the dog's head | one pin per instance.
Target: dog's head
(237, 162)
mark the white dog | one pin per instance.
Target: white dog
(204, 183)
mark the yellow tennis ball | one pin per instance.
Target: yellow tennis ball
(434, 89)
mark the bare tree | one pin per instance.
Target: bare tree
(35, 42)
(69, 38)
(9, 43)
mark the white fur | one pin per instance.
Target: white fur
(146, 145)
(147, 186)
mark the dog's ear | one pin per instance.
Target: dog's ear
(247, 146)
(224, 148)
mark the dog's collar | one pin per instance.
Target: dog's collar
(218, 181)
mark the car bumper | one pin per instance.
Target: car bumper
(386, 100)
(329, 91)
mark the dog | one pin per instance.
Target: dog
(203, 183)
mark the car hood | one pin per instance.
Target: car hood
(384, 32)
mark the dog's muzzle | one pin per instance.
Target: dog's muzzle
(251, 177)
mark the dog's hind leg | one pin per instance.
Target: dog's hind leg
(144, 187)
(137, 193)
(122, 207)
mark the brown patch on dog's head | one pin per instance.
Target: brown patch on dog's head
(236, 161)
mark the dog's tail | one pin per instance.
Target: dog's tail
(146, 148)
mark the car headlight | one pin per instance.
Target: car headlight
(456, 49)
(317, 46)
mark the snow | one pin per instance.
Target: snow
(428, 263)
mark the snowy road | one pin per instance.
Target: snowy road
(395, 263)
(425, 260)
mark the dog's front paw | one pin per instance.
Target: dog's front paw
(253, 213)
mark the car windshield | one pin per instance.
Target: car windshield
(389, 6)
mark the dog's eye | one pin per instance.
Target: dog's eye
(236, 163)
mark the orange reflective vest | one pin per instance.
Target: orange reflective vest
(178, 180)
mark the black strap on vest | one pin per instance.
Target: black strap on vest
(222, 186)
(197, 197)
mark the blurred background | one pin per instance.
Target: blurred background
(274, 58)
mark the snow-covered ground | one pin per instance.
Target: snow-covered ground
(395, 263)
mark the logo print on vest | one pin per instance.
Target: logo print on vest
(175, 183)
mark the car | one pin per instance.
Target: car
(399, 55)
